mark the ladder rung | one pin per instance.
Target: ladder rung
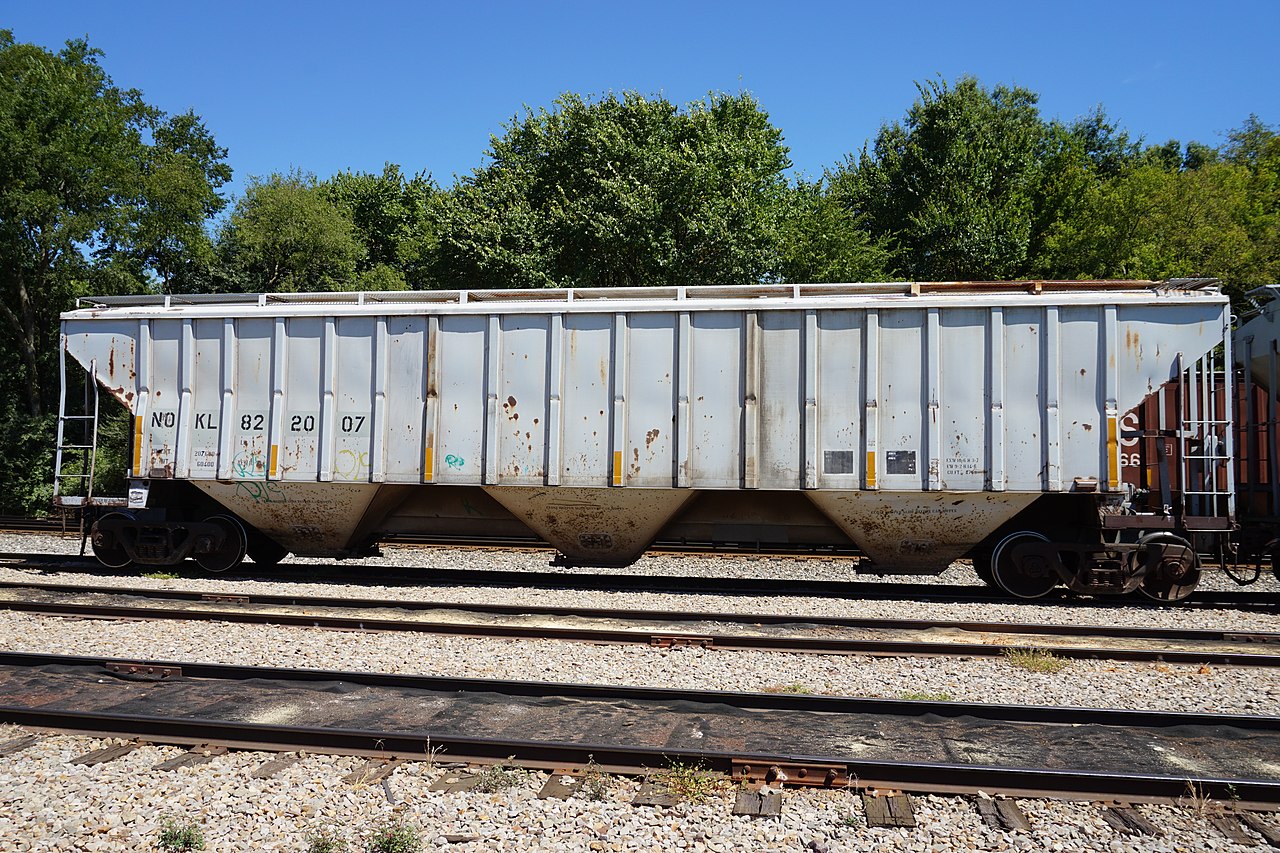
(75, 446)
(77, 417)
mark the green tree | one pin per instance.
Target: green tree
(286, 235)
(624, 190)
(391, 217)
(99, 192)
(1078, 158)
(1179, 210)
(820, 240)
(95, 187)
(953, 185)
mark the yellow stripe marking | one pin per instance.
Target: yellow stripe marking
(871, 469)
(1113, 456)
(275, 450)
(137, 447)
(617, 467)
(428, 465)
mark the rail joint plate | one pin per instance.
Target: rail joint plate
(791, 773)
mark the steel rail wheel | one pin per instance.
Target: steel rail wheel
(1175, 571)
(106, 547)
(234, 545)
(1027, 579)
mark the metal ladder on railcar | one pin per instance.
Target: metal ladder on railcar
(1205, 402)
(84, 442)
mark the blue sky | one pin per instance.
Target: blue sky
(325, 86)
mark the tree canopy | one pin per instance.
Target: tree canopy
(98, 191)
(624, 190)
(953, 184)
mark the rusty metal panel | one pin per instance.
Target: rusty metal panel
(587, 390)
(160, 426)
(1083, 392)
(649, 445)
(203, 422)
(250, 447)
(780, 445)
(462, 350)
(716, 397)
(522, 400)
(299, 454)
(405, 391)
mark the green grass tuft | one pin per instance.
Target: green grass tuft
(180, 835)
(1036, 660)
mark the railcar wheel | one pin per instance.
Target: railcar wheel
(1029, 579)
(232, 551)
(106, 549)
(1176, 570)
(265, 551)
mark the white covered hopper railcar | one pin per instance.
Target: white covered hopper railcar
(921, 421)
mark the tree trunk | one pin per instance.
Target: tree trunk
(23, 322)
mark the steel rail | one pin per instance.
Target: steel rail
(947, 777)
(662, 635)
(680, 584)
(1060, 715)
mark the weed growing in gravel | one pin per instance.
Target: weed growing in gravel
(925, 697)
(180, 835)
(1035, 660)
(794, 687)
(851, 819)
(595, 784)
(326, 842)
(499, 777)
(1198, 801)
(689, 782)
(160, 576)
(395, 838)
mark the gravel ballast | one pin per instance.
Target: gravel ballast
(48, 804)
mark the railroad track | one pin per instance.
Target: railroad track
(1242, 599)
(722, 631)
(942, 747)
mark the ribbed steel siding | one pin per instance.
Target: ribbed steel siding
(967, 397)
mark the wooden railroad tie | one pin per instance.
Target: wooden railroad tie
(1128, 820)
(758, 802)
(888, 811)
(18, 744)
(1002, 815)
(108, 753)
(562, 784)
(1268, 832)
(198, 754)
